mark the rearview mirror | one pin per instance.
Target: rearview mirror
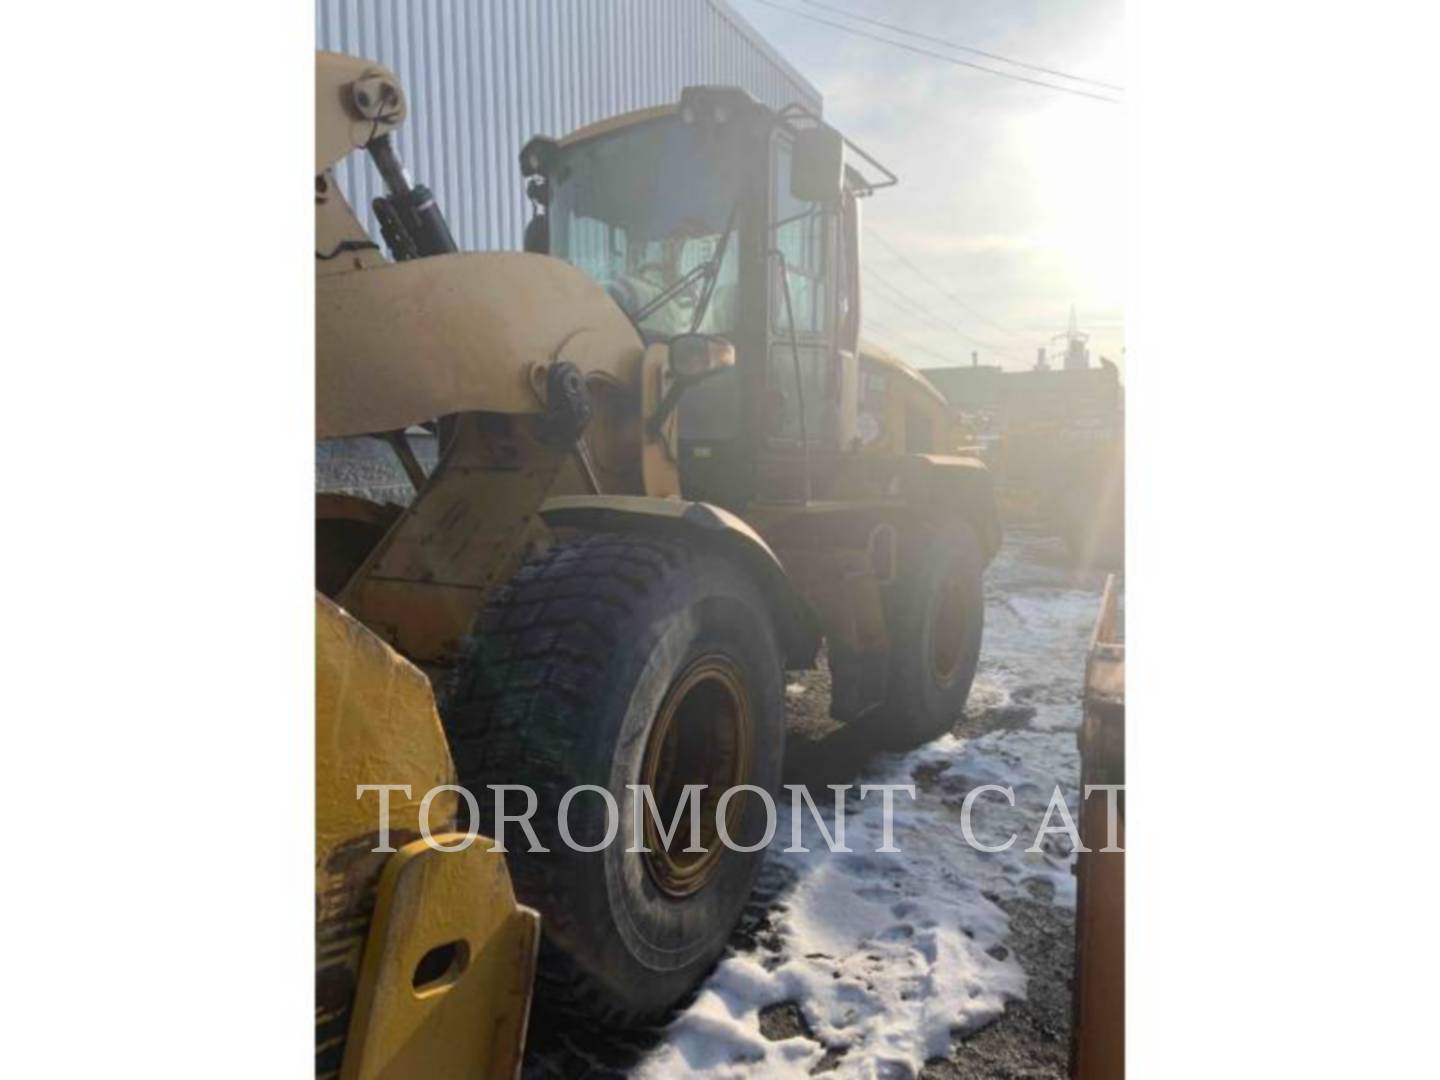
(693, 357)
(817, 166)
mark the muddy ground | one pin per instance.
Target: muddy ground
(1032, 596)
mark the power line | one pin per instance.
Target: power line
(942, 291)
(963, 48)
(913, 342)
(903, 315)
(947, 295)
(897, 295)
(939, 56)
(869, 325)
(867, 321)
(893, 294)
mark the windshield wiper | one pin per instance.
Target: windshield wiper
(709, 270)
(714, 264)
(669, 294)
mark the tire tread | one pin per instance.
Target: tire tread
(518, 698)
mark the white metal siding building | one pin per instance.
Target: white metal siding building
(482, 76)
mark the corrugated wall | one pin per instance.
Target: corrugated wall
(484, 75)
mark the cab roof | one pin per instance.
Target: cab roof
(615, 123)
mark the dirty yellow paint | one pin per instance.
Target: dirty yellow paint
(376, 723)
(468, 1018)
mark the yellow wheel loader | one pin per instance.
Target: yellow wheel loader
(638, 471)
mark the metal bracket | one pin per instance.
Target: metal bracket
(449, 963)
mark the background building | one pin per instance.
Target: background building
(484, 75)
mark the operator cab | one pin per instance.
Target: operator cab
(723, 217)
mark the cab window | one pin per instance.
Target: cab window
(800, 237)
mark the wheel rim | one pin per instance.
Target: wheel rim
(702, 735)
(948, 632)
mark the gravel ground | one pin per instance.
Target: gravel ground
(1029, 681)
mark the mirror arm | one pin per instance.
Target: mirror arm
(795, 111)
(672, 398)
(666, 407)
(815, 209)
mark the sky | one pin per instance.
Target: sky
(1011, 196)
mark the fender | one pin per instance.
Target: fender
(796, 624)
(948, 484)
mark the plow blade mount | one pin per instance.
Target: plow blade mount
(424, 961)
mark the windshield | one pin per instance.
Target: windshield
(642, 208)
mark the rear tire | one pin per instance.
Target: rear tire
(573, 666)
(936, 619)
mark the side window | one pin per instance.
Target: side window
(847, 277)
(801, 238)
(842, 291)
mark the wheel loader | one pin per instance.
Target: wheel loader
(660, 470)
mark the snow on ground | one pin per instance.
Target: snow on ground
(889, 955)
(1038, 618)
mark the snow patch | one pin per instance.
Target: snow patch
(1038, 616)
(887, 955)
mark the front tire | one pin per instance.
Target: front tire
(617, 660)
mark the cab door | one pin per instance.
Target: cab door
(803, 243)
